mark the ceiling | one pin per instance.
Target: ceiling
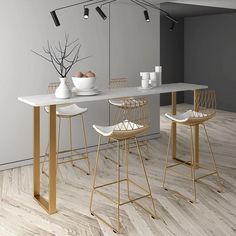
(210, 3)
(186, 10)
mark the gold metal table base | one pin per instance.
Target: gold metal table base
(50, 205)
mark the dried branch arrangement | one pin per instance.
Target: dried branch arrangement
(62, 57)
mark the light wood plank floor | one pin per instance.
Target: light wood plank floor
(213, 214)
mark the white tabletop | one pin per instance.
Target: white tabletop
(50, 99)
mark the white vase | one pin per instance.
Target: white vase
(63, 91)
(158, 69)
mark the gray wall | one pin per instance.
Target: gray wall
(210, 56)
(27, 25)
(172, 57)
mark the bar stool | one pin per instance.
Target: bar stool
(118, 103)
(68, 112)
(135, 122)
(205, 101)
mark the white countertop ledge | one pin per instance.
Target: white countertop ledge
(50, 99)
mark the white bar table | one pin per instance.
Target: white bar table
(50, 100)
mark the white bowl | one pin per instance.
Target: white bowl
(84, 83)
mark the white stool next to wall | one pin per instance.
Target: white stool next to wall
(68, 112)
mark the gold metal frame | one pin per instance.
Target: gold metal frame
(123, 132)
(50, 205)
(205, 105)
(73, 152)
(95, 188)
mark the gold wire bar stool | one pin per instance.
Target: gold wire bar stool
(205, 101)
(118, 104)
(68, 112)
(134, 122)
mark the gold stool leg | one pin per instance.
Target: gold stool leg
(213, 160)
(123, 152)
(71, 145)
(94, 175)
(118, 188)
(71, 148)
(145, 173)
(110, 141)
(148, 151)
(105, 154)
(85, 143)
(127, 167)
(118, 203)
(167, 157)
(193, 166)
(58, 140)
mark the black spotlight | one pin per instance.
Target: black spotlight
(101, 13)
(172, 27)
(146, 16)
(55, 18)
(86, 13)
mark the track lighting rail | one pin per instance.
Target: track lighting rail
(142, 3)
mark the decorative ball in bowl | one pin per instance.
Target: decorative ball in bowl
(85, 82)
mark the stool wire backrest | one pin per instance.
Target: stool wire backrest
(133, 115)
(118, 83)
(205, 103)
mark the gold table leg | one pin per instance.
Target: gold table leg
(50, 205)
(36, 152)
(173, 125)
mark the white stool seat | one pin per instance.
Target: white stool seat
(126, 126)
(186, 116)
(69, 110)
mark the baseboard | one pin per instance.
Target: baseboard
(29, 161)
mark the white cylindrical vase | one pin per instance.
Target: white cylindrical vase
(158, 69)
(153, 78)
